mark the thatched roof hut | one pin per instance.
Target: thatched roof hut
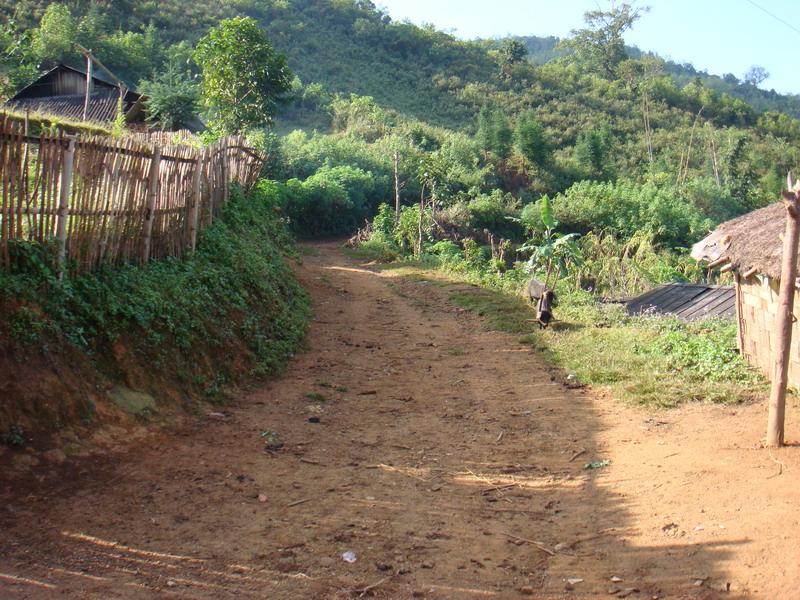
(751, 247)
(750, 242)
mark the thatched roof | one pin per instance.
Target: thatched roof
(752, 241)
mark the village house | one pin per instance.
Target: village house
(751, 247)
(61, 92)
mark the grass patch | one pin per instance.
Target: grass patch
(502, 312)
(317, 397)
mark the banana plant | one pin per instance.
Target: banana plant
(552, 252)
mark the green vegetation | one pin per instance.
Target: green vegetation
(234, 297)
(648, 360)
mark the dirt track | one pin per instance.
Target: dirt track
(446, 457)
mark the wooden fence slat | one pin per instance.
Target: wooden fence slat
(63, 206)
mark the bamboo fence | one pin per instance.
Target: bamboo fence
(98, 200)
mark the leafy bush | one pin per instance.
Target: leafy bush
(407, 232)
(496, 212)
(333, 201)
(707, 350)
(627, 268)
(625, 209)
(170, 304)
(384, 222)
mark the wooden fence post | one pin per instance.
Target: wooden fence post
(152, 197)
(197, 198)
(784, 319)
(63, 207)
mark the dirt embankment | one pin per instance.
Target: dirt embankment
(412, 453)
(102, 357)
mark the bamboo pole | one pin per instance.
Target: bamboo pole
(197, 193)
(225, 175)
(152, 196)
(63, 206)
(784, 319)
(88, 97)
(396, 187)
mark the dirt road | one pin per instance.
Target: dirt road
(444, 457)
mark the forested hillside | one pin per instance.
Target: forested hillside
(629, 148)
(542, 50)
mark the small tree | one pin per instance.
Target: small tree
(244, 78)
(532, 141)
(494, 132)
(17, 62)
(173, 98)
(552, 253)
(593, 150)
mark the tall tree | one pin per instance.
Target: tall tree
(600, 45)
(244, 78)
(511, 52)
(756, 75)
(53, 40)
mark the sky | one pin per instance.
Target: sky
(718, 36)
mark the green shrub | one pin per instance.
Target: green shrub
(496, 212)
(625, 209)
(184, 305)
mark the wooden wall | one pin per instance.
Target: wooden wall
(756, 308)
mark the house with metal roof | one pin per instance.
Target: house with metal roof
(61, 92)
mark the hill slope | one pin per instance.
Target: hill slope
(352, 47)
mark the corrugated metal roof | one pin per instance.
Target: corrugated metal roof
(688, 302)
(102, 109)
(62, 92)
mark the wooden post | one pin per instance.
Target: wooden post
(152, 196)
(86, 101)
(64, 194)
(197, 197)
(784, 319)
(225, 173)
(396, 187)
(421, 212)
